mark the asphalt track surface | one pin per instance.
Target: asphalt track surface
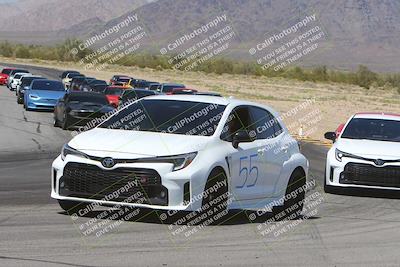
(346, 231)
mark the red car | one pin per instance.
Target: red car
(113, 93)
(4, 75)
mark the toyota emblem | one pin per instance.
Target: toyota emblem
(108, 162)
(379, 162)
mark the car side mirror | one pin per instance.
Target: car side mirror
(241, 137)
(330, 136)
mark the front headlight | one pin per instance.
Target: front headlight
(67, 150)
(33, 96)
(179, 161)
(340, 154)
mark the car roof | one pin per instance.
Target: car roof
(48, 80)
(207, 99)
(377, 115)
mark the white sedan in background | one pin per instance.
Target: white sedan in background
(366, 154)
(183, 153)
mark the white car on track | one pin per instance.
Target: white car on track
(366, 154)
(181, 153)
(16, 81)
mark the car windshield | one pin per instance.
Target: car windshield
(17, 76)
(373, 129)
(99, 88)
(113, 91)
(97, 99)
(48, 85)
(169, 88)
(168, 116)
(6, 71)
(122, 80)
(26, 81)
(132, 94)
(19, 71)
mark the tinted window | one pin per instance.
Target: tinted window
(169, 88)
(21, 71)
(71, 75)
(6, 71)
(239, 119)
(16, 77)
(266, 125)
(113, 91)
(26, 81)
(47, 85)
(373, 129)
(100, 99)
(168, 116)
(154, 87)
(99, 88)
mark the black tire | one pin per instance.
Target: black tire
(215, 203)
(65, 123)
(71, 207)
(293, 206)
(55, 121)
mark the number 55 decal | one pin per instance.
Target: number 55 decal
(247, 171)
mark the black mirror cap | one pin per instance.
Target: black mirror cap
(241, 136)
(330, 136)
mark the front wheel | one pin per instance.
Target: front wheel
(71, 207)
(294, 197)
(216, 195)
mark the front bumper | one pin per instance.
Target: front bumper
(86, 180)
(41, 104)
(354, 173)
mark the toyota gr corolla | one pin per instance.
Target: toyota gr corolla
(365, 154)
(181, 153)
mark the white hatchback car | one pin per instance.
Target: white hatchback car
(366, 154)
(181, 153)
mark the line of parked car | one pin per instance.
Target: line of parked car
(77, 99)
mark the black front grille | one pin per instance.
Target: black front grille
(90, 181)
(365, 174)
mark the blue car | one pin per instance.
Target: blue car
(43, 94)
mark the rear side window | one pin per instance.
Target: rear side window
(264, 124)
(6, 71)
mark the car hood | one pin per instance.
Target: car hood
(48, 94)
(369, 148)
(135, 144)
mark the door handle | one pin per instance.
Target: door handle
(285, 148)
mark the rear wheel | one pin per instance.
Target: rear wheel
(19, 100)
(294, 197)
(55, 121)
(215, 200)
(65, 123)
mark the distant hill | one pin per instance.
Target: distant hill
(54, 15)
(356, 31)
